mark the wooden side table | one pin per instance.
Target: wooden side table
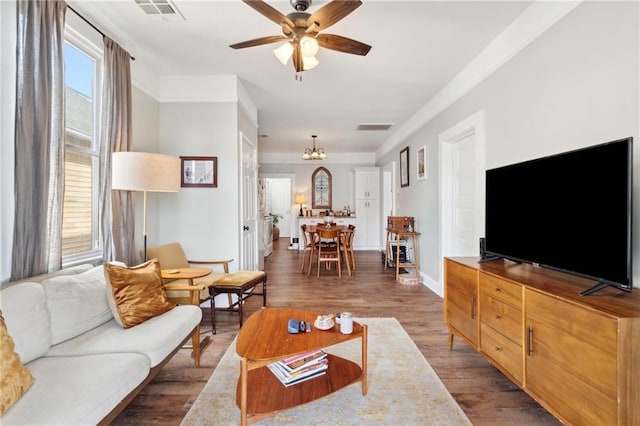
(400, 234)
(190, 274)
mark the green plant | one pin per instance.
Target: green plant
(276, 217)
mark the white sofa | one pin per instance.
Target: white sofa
(86, 367)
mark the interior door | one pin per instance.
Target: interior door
(249, 198)
(280, 203)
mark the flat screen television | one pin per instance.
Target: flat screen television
(570, 212)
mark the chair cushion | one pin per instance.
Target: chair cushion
(240, 278)
(15, 378)
(136, 294)
(77, 303)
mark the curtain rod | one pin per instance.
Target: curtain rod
(91, 25)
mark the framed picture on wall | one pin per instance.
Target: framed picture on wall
(421, 162)
(199, 172)
(404, 167)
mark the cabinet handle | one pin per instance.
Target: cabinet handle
(498, 317)
(498, 290)
(498, 348)
(473, 307)
(529, 341)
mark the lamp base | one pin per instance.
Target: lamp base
(301, 213)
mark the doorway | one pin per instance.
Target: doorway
(278, 201)
(462, 168)
(388, 196)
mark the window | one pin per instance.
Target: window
(80, 227)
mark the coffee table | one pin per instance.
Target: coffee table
(264, 339)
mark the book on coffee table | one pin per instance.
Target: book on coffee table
(310, 371)
(302, 360)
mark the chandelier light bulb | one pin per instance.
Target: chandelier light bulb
(313, 153)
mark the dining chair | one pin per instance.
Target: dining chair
(329, 252)
(310, 244)
(348, 246)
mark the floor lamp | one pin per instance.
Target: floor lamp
(146, 172)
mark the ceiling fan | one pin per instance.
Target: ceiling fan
(301, 30)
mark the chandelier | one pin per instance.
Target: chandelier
(313, 153)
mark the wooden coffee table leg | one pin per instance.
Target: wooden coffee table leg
(243, 390)
(364, 358)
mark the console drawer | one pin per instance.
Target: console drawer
(501, 289)
(502, 317)
(506, 354)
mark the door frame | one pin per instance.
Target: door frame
(472, 125)
(248, 208)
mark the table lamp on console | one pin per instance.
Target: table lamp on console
(301, 199)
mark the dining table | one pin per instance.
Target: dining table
(312, 230)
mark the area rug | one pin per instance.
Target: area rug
(403, 388)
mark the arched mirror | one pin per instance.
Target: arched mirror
(321, 189)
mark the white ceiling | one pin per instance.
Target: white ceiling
(417, 48)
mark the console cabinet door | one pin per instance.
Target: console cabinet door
(571, 360)
(461, 301)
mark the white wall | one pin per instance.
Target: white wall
(204, 220)
(576, 85)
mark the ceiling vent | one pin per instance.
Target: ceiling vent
(374, 126)
(160, 8)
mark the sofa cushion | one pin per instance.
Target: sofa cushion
(76, 303)
(15, 378)
(77, 390)
(155, 338)
(136, 294)
(25, 313)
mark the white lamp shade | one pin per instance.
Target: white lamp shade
(284, 52)
(308, 46)
(145, 171)
(309, 62)
(300, 198)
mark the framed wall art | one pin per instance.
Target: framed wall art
(404, 167)
(199, 172)
(321, 189)
(421, 162)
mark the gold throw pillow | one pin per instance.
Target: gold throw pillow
(15, 378)
(136, 294)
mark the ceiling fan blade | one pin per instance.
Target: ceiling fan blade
(258, 41)
(297, 58)
(332, 12)
(343, 44)
(269, 12)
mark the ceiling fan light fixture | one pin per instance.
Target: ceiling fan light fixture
(309, 62)
(284, 52)
(309, 46)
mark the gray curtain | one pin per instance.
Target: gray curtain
(116, 207)
(39, 138)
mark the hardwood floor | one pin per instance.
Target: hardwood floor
(486, 396)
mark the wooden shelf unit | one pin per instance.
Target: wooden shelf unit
(578, 356)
